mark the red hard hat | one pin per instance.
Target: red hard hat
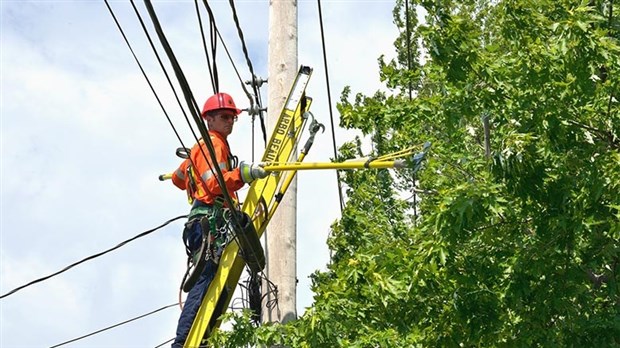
(220, 101)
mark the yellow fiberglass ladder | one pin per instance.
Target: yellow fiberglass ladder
(260, 204)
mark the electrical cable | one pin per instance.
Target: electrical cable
(167, 77)
(193, 108)
(170, 83)
(115, 325)
(188, 96)
(197, 120)
(144, 73)
(204, 45)
(249, 63)
(234, 66)
(161, 64)
(415, 203)
(213, 29)
(171, 86)
(329, 101)
(164, 343)
(92, 256)
(179, 73)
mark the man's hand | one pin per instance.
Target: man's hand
(252, 171)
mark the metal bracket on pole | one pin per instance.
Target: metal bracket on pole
(256, 81)
(254, 110)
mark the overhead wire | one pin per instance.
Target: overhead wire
(249, 63)
(148, 36)
(329, 102)
(204, 45)
(144, 72)
(180, 82)
(415, 203)
(171, 86)
(164, 343)
(115, 325)
(212, 31)
(247, 93)
(169, 82)
(161, 64)
(215, 31)
(234, 66)
(179, 74)
(193, 108)
(145, 233)
(167, 78)
(191, 103)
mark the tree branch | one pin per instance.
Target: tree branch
(607, 136)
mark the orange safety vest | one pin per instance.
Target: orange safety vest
(200, 180)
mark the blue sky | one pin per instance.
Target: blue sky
(83, 141)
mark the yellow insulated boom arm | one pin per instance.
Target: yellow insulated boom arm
(277, 167)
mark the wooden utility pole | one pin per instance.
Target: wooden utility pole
(281, 235)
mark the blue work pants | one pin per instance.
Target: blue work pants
(197, 293)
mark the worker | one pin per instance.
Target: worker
(197, 175)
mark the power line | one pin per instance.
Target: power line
(329, 101)
(161, 64)
(249, 63)
(184, 87)
(204, 44)
(151, 85)
(115, 325)
(169, 82)
(189, 98)
(164, 343)
(92, 256)
(118, 25)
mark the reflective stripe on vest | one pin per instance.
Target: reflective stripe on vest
(208, 174)
(179, 173)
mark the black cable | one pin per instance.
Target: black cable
(93, 256)
(164, 343)
(175, 93)
(167, 78)
(408, 42)
(161, 64)
(415, 203)
(115, 325)
(146, 77)
(329, 101)
(234, 66)
(213, 30)
(193, 108)
(204, 45)
(187, 93)
(148, 36)
(189, 123)
(249, 63)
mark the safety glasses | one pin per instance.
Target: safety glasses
(228, 117)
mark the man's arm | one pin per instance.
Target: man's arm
(232, 178)
(179, 175)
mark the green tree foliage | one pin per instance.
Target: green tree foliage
(514, 245)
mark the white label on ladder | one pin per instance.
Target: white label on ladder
(297, 91)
